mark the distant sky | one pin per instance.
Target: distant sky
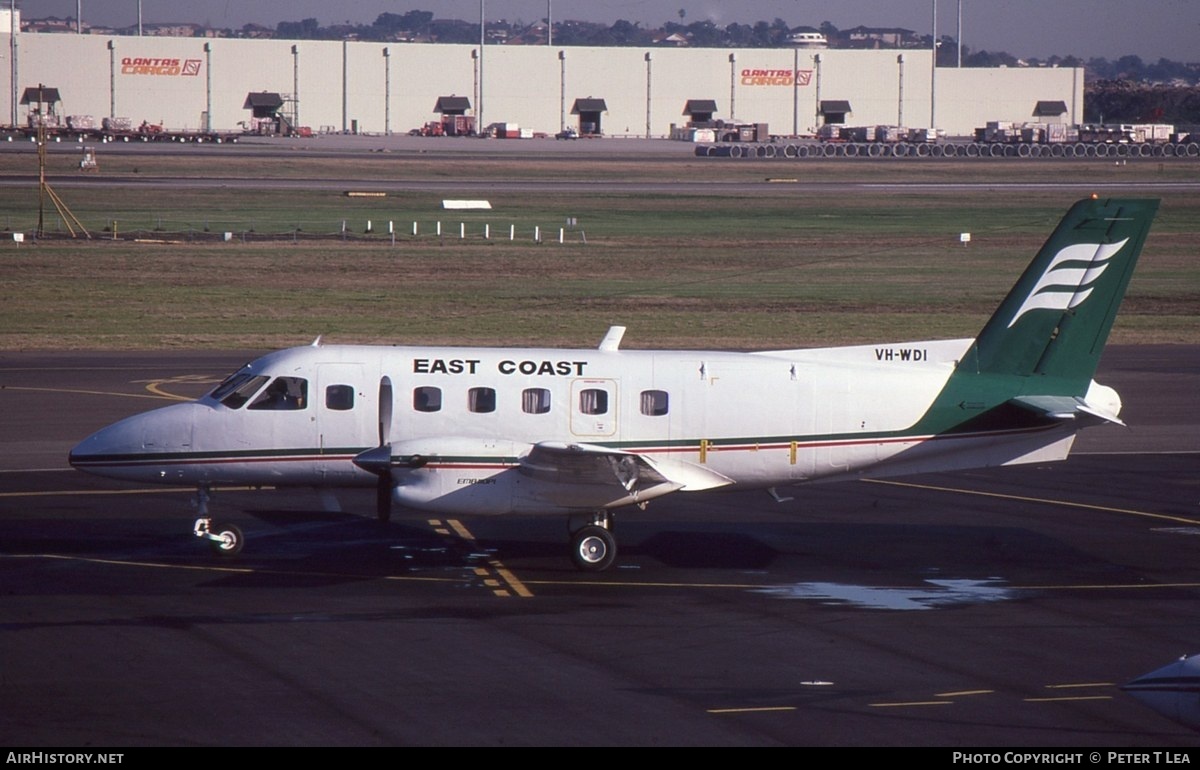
(1110, 28)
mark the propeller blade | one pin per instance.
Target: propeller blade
(383, 498)
(379, 460)
(385, 411)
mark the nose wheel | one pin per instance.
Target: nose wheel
(225, 539)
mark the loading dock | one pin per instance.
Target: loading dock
(589, 111)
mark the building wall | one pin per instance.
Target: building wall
(340, 85)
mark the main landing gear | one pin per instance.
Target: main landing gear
(593, 546)
(226, 539)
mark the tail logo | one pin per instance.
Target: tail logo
(1069, 279)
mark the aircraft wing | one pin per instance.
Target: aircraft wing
(640, 476)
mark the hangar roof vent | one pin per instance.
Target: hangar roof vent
(588, 105)
(1049, 109)
(263, 104)
(263, 100)
(36, 94)
(835, 107)
(700, 106)
(452, 105)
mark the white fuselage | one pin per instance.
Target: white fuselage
(745, 419)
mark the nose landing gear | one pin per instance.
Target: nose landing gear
(224, 538)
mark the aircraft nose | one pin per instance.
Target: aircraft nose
(118, 443)
(132, 447)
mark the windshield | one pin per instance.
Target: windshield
(238, 388)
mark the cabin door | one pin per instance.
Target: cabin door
(594, 408)
(346, 415)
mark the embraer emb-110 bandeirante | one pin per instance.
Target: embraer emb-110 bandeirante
(476, 431)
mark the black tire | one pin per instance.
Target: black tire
(593, 549)
(230, 539)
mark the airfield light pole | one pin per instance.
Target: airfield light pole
(647, 94)
(78, 17)
(295, 85)
(732, 83)
(817, 67)
(562, 90)
(207, 88)
(139, 18)
(958, 35)
(482, 37)
(549, 23)
(387, 93)
(13, 27)
(41, 152)
(933, 74)
(900, 98)
(112, 80)
(795, 92)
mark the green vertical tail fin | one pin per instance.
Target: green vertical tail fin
(1053, 324)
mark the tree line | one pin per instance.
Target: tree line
(421, 26)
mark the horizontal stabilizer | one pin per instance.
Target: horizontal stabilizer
(1065, 408)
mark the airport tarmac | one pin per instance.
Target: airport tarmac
(780, 175)
(997, 608)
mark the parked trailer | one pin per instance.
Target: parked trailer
(109, 132)
(1181, 148)
(998, 139)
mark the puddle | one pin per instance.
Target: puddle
(935, 594)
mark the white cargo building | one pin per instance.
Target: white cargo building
(199, 83)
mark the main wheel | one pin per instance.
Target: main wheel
(594, 549)
(229, 540)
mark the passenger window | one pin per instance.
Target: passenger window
(593, 401)
(654, 403)
(237, 390)
(481, 399)
(339, 398)
(284, 394)
(535, 401)
(427, 399)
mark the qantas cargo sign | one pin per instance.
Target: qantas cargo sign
(753, 77)
(169, 67)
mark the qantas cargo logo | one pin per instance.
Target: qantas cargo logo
(138, 66)
(757, 77)
(1070, 278)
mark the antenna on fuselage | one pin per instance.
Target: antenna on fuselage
(612, 340)
(317, 342)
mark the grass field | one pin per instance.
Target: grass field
(790, 265)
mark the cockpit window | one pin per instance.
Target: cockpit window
(239, 389)
(285, 393)
(229, 383)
